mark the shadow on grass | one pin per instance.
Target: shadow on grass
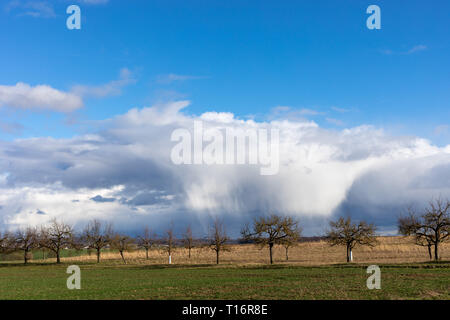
(108, 264)
(174, 266)
(8, 264)
(30, 264)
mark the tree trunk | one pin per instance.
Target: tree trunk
(349, 253)
(25, 257)
(123, 258)
(287, 256)
(429, 252)
(217, 256)
(189, 252)
(436, 251)
(58, 259)
(98, 255)
(270, 252)
(146, 253)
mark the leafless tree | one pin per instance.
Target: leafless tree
(170, 241)
(431, 228)
(43, 250)
(344, 232)
(146, 241)
(405, 224)
(26, 240)
(188, 240)
(291, 241)
(425, 242)
(98, 235)
(217, 238)
(78, 242)
(6, 243)
(55, 237)
(122, 243)
(271, 230)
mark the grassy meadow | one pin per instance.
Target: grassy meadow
(314, 271)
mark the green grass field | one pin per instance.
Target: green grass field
(115, 281)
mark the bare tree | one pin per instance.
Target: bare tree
(170, 242)
(78, 242)
(6, 243)
(43, 250)
(98, 235)
(405, 224)
(425, 242)
(146, 241)
(271, 230)
(431, 228)
(55, 237)
(122, 243)
(218, 238)
(291, 241)
(188, 240)
(26, 240)
(344, 232)
(39, 244)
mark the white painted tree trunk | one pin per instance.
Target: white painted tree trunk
(170, 259)
(351, 255)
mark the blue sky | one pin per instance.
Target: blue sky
(245, 57)
(87, 115)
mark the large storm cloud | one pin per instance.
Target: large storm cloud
(123, 172)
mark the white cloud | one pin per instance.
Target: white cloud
(414, 49)
(41, 97)
(340, 110)
(287, 112)
(309, 112)
(171, 77)
(441, 129)
(221, 117)
(36, 9)
(417, 48)
(44, 97)
(107, 89)
(335, 122)
(361, 171)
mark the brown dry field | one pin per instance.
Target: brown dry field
(389, 250)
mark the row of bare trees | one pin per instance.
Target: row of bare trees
(58, 236)
(53, 238)
(430, 228)
(97, 236)
(264, 231)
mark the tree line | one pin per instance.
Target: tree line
(429, 228)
